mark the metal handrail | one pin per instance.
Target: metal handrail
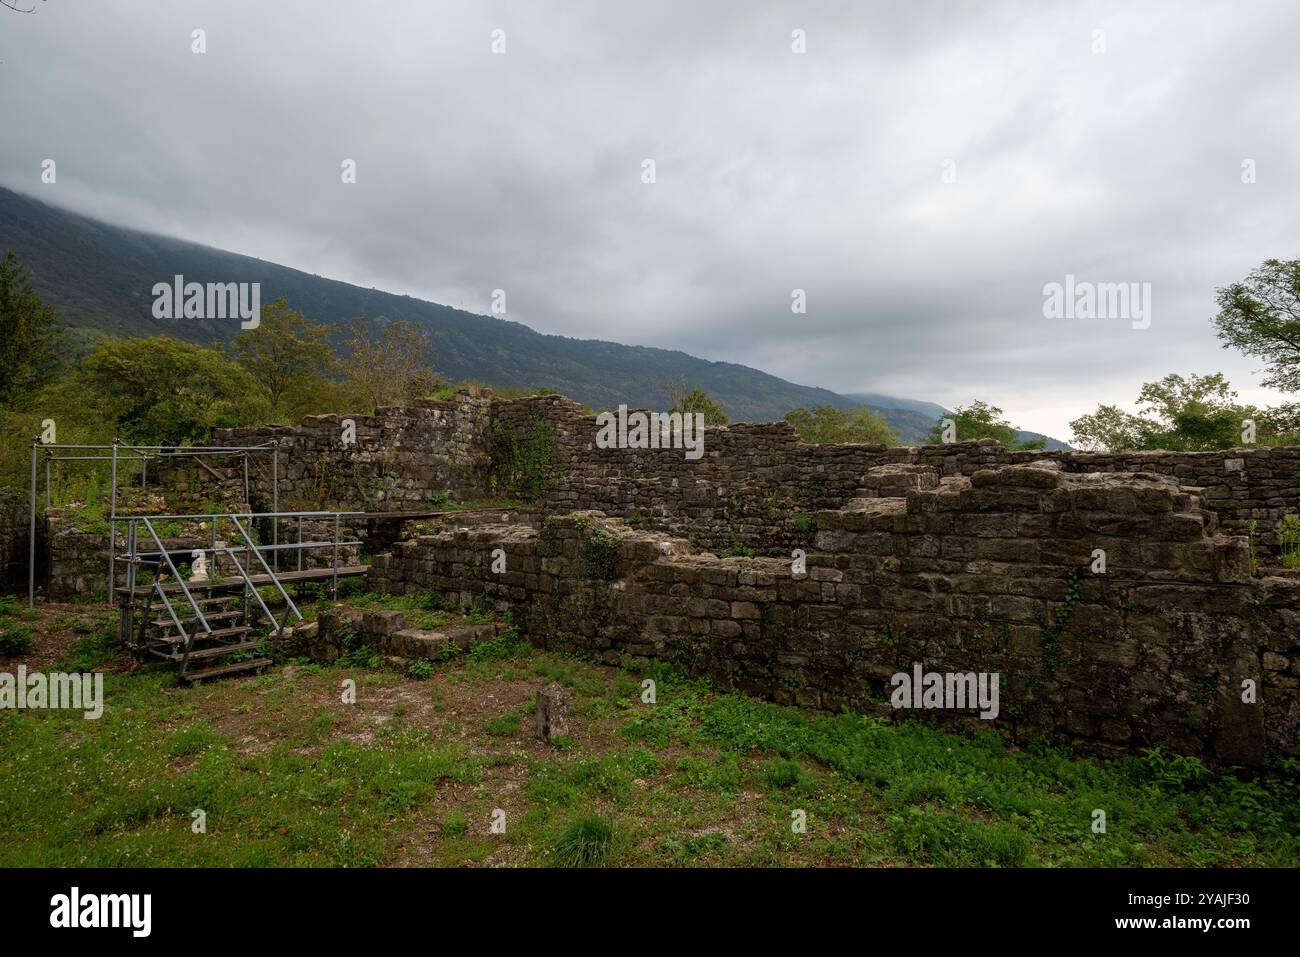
(265, 567)
(248, 582)
(265, 548)
(175, 620)
(179, 580)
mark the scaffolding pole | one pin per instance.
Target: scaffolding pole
(31, 544)
(121, 450)
(275, 502)
(112, 525)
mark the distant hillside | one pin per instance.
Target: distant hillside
(101, 277)
(917, 417)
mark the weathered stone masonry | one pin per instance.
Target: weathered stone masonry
(753, 489)
(964, 557)
(960, 574)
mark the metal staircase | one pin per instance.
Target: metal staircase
(222, 625)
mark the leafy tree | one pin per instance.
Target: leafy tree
(1179, 413)
(385, 362)
(1261, 318)
(1280, 425)
(1110, 428)
(979, 420)
(161, 390)
(825, 423)
(30, 336)
(697, 400)
(425, 382)
(682, 398)
(284, 351)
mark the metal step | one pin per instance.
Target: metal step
(254, 664)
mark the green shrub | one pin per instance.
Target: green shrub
(781, 774)
(584, 843)
(508, 644)
(599, 550)
(15, 638)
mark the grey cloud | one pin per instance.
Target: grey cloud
(775, 171)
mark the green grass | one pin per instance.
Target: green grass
(415, 771)
(584, 843)
(420, 611)
(120, 791)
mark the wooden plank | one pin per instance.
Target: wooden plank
(238, 666)
(285, 578)
(216, 651)
(210, 616)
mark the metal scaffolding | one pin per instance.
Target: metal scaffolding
(121, 451)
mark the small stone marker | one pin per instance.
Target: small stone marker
(553, 712)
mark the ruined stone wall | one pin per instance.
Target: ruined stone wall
(757, 484)
(403, 459)
(987, 573)
(754, 490)
(77, 560)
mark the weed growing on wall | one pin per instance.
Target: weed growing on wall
(524, 464)
(599, 550)
(1053, 631)
(1288, 541)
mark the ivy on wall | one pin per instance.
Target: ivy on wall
(524, 461)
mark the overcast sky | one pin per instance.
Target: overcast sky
(775, 171)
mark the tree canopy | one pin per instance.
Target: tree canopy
(161, 390)
(682, 398)
(1260, 317)
(284, 352)
(827, 424)
(30, 336)
(386, 363)
(1194, 413)
(979, 420)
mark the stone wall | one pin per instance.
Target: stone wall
(755, 489)
(14, 541)
(76, 559)
(403, 459)
(757, 483)
(987, 573)
(964, 557)
(338, 631)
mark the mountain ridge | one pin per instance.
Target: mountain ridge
(100, 277)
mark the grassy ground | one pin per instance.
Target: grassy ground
(416, 771)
